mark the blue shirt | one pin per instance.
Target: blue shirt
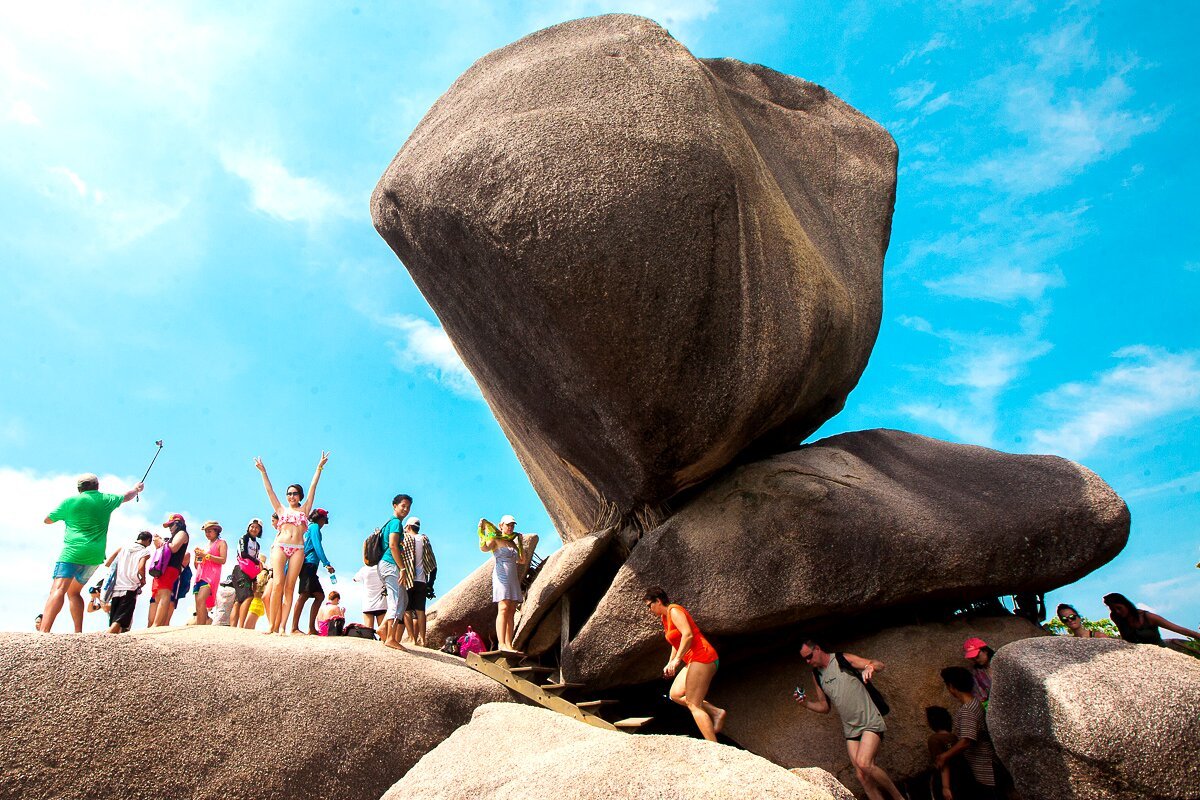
(314, 553)
(392, 526)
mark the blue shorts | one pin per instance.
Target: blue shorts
(76, 572)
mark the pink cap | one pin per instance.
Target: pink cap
(972, 646)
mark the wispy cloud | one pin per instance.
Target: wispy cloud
(978, 370)
(1187, 484)
(912, 94)
(1149, 384)
(935, 43)
(278, 193)
(21, 111)
(426, 349)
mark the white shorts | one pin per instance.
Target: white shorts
(397, 598)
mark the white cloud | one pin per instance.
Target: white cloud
(21, 111)
(427, 349)
(1187, 484)
(277, 192)
(936, 104)
(31, 547)
(1149, 384)
(912, 94)
(999, 283)
(936, 42)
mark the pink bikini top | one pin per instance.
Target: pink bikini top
(292, 518)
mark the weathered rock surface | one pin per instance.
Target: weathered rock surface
(850, 524)
(562, 570)
(82, 717)
(468, 603)
(650, 263)
(764, 719)
(1097, 718)
(534, 754)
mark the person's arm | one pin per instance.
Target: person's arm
(868, 667)
(1171, 626)
(142, 569)
(394, 546)
(112, 558)
(312, 487)
(267, 485)
(244, 547)
(819, 702)
(961, 745)
(685, 640)
(318, 549)
(132, 493)
(178, 541)
(946, 793)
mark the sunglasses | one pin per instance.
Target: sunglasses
(808, 658)
(293, 492)
(1068, 617)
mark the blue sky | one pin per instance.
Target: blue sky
(187, 254)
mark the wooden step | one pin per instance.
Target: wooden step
(588, 705)
(512, 655)
(561, 687)
(532, 670)
(633, 723)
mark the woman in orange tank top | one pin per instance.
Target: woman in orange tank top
(692, 664)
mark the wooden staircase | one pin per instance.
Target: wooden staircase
(514, 671)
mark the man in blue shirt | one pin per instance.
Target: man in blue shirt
(396, 570)
(310, 582)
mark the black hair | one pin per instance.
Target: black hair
(1061, 606)
(254, 522)
(298, 488)
(989, 651)
(1125, 626)
(143, 534)
(401, 498)
(959, 678)
(653, 593)
(939, 718)
(177, 525)
(88, 486)
(814, 644)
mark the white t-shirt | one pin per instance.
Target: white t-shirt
(419, 558)
(374, 598)
(126, 567)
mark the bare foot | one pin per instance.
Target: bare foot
(299, 633)
(270, 633)
(719, 720)
(394, 645)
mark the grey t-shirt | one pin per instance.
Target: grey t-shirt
(849, 696)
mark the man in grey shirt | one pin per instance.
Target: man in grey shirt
(862, 724)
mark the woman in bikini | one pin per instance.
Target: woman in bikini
(287, 552)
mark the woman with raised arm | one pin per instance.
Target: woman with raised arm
(287, 551)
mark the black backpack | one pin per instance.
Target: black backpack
(876, 696)
(359, 631)
(374, 548)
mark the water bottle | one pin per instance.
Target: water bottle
(333, 578)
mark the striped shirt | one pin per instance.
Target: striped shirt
(971, 724)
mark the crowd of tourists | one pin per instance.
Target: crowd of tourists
(273, 582)
(398, 577)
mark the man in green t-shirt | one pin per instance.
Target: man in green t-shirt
(86, 516)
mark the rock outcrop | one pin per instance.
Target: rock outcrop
(97, 715)
(851, 524)
(511, 751)
(650, 263)
(1097, 718)
(468, 603)
(765, 720)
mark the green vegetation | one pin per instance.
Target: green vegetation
(1099, 625)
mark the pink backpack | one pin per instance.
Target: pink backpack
(469, 642)
(160, 562)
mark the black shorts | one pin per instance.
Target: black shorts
(243, 587)
(417, 596)
(859, 737)
(120, 610)
(309, 582)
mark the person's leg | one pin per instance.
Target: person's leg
(297, 609)
(162, 607)
(54, 603)
(287, 587)
(869, 787)
(274, 603)
(396, 628)
(202, 594)
(76, 602)
(864, 760)
(506, 611)
(421, 628)
(318, 598)
(410, 625)
(697, 678)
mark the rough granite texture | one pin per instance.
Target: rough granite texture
(468, 603)
(1099, 719)
(650, 263)
(562, 569)
(764, 719)
(98, 715)
(511, 752)
(851, 524)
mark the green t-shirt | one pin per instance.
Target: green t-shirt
(86, 515)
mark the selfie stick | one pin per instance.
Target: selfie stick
(138, 498)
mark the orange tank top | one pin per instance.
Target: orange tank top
(700, 650)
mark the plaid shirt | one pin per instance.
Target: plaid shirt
(407, 551)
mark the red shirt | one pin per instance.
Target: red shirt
(700, 650)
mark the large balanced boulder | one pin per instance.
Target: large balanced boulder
(221, 712)
(511, 752)
(765, 720)
(1098, 719)
(851, 524)
(650, 263)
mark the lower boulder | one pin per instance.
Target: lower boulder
(1097, 718)
(468, 603)
(765, 719)
(221, 712)
(511, 751)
